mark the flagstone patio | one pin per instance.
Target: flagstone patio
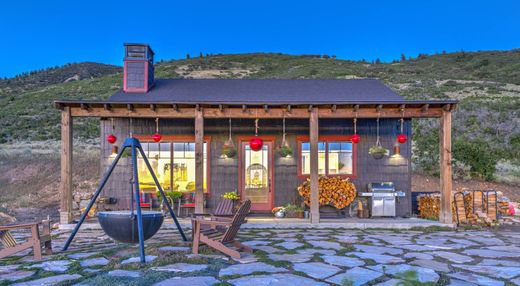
(282, 256)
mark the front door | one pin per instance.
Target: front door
(256, 176)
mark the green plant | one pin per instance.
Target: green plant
(171, 194)
(284, 151)
(231, 196)
(292, 208)
(229, 152)
(378, 150)
(478, 155)
(409, 278)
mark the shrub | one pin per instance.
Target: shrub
(478, 155)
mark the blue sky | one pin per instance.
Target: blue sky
(38, 34)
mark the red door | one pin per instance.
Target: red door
(256, 176)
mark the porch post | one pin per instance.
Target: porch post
(445, 215)
(199, 161)
(66, 167)
(314, 131)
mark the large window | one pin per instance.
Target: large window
(336, 156)
(173, 164)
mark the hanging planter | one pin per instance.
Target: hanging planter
(256, 143)
(228, 149)
(284, 150)
(378, 152)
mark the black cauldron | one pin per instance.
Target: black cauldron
(122, 225)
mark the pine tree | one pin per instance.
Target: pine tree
(200, 55)
(403, 58)
(378, 61)
(187, 56)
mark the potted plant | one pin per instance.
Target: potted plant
(171, 196)
(293, 211)
(284, 150)
(234, 197)
(229, 152)
(378, 152)
(278, 212)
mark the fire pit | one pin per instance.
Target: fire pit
(122, 225)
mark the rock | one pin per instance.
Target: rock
(495, 271)
(99, 261)
(290, 245)
(191, 281)
(275, 280)
(180, 267)
(316, 270)
(325, 244)
(81, 255)
(432, 264)
(268, 249)
(378, 258)
(452, 256)
(53, 266)
(124, 273)
(90, 270)
(476, 279)
(16, 275)
(51, 280)
(391, 282)
(343, 261)
(414, 247)
(488, 253)
(312, 251)
(245, 269)
(358, 276)
(418, 255)
(456, 282)
(137, 259)
(516, 281)
(295, 258)
(423, 274)
(246, 258)
(256, 242)
(210, 256)
(8, 268)
(501, 262)
(175, 248)
(378, 249)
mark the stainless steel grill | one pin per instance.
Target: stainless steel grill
(383, 198)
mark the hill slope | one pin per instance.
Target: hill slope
(486, 127)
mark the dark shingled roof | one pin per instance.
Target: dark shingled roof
(263, 91)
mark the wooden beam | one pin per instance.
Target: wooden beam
(84, 106)
(356, 108)
(289, 108)
(66, 167)
(445, 169)
(314, 133)
(199, 161)
(256, 112)
(221, 107)
(425, 108)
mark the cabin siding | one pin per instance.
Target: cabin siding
(224, 172)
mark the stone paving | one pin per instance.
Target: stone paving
(282, 257)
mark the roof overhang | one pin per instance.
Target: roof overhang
(406, 109)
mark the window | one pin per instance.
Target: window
(335, 156)
(173, 164)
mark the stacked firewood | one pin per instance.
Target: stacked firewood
(429, 206)
(333, 191)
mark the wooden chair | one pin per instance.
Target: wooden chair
(219, 239)
(36, 241)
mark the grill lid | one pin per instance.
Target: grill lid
(381, 187)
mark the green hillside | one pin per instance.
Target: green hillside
(486, 125)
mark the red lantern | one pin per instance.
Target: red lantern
(156, 137)
(401, 138)
(355, 138)
(111, 139)
(256, 143)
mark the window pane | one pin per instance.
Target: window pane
(306, 158)
(340, 158)
(159, 159)
(184, 166)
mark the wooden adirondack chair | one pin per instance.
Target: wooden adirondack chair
(218, 238)
(11, 246)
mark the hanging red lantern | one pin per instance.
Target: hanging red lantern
(111, 139)
(156, 137)
(401, 138)
(355, 138)
(256, 143)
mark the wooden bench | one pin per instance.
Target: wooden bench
(36, 241)
(220, 234)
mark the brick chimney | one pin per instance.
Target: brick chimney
(138, 68)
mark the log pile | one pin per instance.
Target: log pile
(429, 206)
(333, 191)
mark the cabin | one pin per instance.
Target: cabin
(260, 138)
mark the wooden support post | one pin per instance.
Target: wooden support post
(445, 168)
(314, 131)
(199, 161)
(66, 167)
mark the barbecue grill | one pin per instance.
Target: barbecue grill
(383, 198)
